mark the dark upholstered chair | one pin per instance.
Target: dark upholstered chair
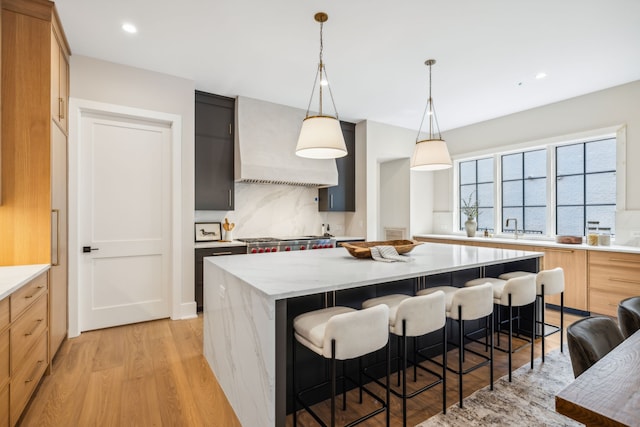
(590, 340)
(629, 316)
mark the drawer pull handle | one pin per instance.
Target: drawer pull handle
(624, 260)
(33, 377)
(222, 253)
(617, 279)
(34, 328)
(566, 251)
(35, 293)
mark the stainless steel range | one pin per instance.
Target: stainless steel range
(285, 244)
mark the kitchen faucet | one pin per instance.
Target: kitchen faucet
(515, 233)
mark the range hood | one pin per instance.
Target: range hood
(265, 145)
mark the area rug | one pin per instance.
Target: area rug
(527, 401)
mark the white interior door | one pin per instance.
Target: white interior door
(124, 220)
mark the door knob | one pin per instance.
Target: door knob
(87, 249)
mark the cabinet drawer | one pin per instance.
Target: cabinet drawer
(27, 330)
(27, 294)
(228, 250)
(26, 379)
(605, 302)
(4, 313)
(4, 406)
(4, 359)
(614, 259)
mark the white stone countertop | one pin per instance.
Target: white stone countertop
(13, 277)
(533, 242)
(289, 274)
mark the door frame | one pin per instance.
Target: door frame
(77, 109)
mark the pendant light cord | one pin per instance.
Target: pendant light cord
(320, 71)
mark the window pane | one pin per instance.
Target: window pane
(512, 166)
(485, 170)
(570, 159)
(468, 172)
(570, 190)
(535, 164)
(485, 219)
(601, 188)
(485, 195)
(512, 193)
(511, 213)
(605, 214)
(601, 155)
(535, 220)
(570, 221)
(465, 192)
(535, 192)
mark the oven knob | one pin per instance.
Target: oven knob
(314, 247)
(302, 248)
(254, 251)
(274, 249)
(327, 245)
(287, 248)
(267, 250)
(260, 250)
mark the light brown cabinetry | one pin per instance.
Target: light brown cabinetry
(573, 261)
(24, 346)
(613, 276)
(35, 86)
(574, 264)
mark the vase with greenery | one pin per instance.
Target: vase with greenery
(471, 211)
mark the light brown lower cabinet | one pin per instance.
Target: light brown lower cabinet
(613, 276)
(24, 346)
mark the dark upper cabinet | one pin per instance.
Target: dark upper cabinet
(342, 197)
(214, 174)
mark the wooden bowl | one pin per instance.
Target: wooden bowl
(571, 240)
(361, 249)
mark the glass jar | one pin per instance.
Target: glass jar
(592, 233)
(604, 238)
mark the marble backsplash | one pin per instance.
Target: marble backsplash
(271, 210)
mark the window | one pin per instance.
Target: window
(476, 184)
(550, 190)
(524, 191)
(586, 186)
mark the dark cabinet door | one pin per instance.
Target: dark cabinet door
(342, 197)
(200, 254)
(214, 168)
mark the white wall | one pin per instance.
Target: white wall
(394, 197)
(106, 82)
(611, 109)
(386, 143)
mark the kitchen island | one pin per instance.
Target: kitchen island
(250, 301)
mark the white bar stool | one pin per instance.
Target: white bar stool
(548, 282)
(463, 304)
(515, 292)
(415, 317)
(341, 333)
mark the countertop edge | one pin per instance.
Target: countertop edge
(14, 277)
(532, 242)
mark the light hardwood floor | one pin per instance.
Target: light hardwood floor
(154, 374)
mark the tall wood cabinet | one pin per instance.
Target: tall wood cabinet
(35, 86)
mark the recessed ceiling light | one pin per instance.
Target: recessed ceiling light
(541, 76)
(129, 28)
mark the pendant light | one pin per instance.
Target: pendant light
(430, 154)
(321, 135)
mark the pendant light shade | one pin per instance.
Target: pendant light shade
(321, 136)
(430, 154)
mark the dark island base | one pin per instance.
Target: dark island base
(313, 369)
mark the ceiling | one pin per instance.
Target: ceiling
(488, 52)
